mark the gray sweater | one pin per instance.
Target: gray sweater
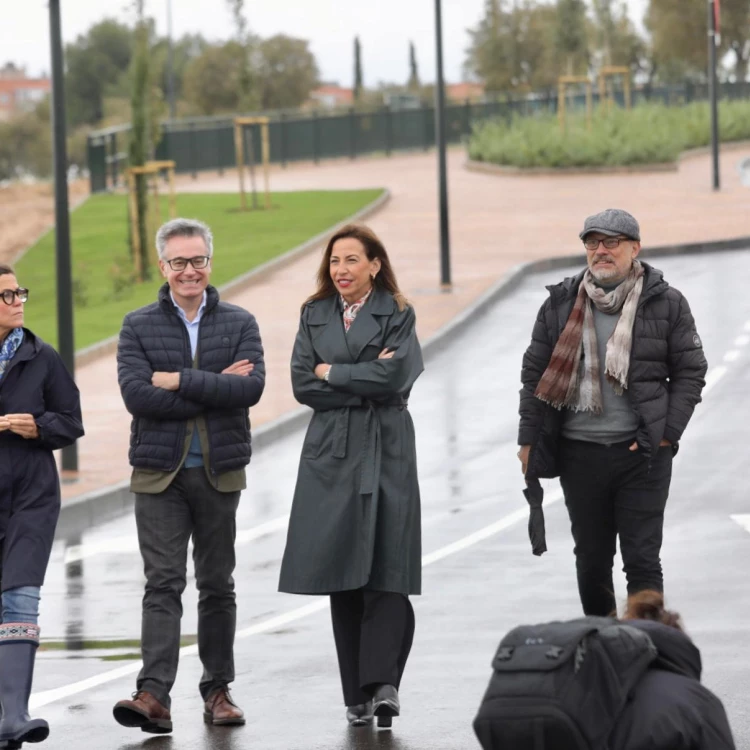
(618, 421)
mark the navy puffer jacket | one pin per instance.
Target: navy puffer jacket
(667, 370)
(155, 339)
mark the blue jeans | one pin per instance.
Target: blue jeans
(21, 604)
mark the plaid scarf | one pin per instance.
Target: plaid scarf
(568, 381)
(9, 348)
(350, 311)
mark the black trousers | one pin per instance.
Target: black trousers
(611, 491)
(190, 506)
(373, 631)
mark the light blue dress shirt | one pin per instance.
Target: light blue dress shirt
(195, 455)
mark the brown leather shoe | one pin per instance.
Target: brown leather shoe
(220, 709)
(143, 711)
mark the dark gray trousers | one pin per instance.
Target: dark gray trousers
(190, 506)
(373, 631)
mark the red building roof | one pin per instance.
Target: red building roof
(19, 93)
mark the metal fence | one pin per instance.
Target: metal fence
(207, 143)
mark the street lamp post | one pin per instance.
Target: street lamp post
(65, 342)
(712, 90)
(170, 63)
(445, 251)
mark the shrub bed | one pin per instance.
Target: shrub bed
(647, 134)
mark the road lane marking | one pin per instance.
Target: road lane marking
(715, 374)
(45, 697)
(743, 519)
(742, 340)
(488, 531)
(270, 527)
(119, 545)
(129, 544)
(732, 355)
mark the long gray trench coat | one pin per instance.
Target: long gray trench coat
(355, 520)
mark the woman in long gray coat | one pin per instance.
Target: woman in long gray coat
(354, 532)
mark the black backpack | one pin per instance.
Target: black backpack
(561, 685)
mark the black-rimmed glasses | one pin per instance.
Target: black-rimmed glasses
(180, 264)
(609, 242)
(9, 295)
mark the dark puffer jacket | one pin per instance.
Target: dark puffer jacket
(155, 339)
(36, 382)
(667, 370)
(669, 708)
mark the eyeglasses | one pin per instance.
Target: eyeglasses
(9, 295)
(180, 264)
(609, 242)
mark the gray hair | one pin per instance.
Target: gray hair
(184, 228)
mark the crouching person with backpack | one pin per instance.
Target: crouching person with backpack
(670, 709)
(597, 683)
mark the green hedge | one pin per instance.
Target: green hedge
(648, 134)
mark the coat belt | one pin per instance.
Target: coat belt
(371, 445)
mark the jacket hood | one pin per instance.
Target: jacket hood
(677, 653)
(31, 345)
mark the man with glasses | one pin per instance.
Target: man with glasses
(189, 367)
(611, 378)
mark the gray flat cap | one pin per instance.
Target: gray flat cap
(614, 222)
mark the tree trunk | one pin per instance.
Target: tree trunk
(138, 152)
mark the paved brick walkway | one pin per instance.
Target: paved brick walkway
(497, 222)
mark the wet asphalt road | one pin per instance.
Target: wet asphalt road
(464, 409)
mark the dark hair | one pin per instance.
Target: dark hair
(649, 605)
(6, 270)
(374, 248)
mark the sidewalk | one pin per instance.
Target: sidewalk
(497, 222)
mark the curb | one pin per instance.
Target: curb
(659, 167)
(514, 278)
(108, 503)
(704, 150)
(108, 346)
(510, 171)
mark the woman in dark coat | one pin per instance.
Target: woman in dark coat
(354, 532)
(40, 411)
(670, 709)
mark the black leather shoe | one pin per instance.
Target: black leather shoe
(359, 716)
(385, 704)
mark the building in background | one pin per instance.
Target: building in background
(330, 96)
(465, 92)
(19, 93)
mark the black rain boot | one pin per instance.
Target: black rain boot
(18, 645)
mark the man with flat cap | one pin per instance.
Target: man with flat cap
(613, 373)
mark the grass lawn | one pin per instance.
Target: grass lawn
(242, 241)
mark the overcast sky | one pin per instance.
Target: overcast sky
(384, 27)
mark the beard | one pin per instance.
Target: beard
(609, 274)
